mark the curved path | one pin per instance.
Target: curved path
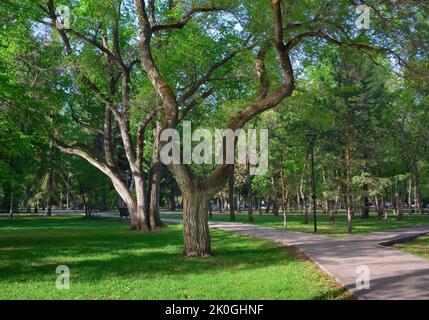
(393, 274)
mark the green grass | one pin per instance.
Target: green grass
(107, 261)
(418, 247)
(339, 229)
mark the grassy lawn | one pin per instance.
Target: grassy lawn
(339, 229)
(107, 261)
(418, 247)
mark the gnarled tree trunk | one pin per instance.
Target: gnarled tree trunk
(195, 223)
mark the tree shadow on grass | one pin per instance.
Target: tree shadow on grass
(97, 254)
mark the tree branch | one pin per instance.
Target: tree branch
(148, 63)
(193, 87)
(195, 102)
(185, 19)
(141, 133)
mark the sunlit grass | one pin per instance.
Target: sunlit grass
(107, 261)
(418, 247)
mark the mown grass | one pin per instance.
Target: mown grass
(106, 261)
(418, 247)
(339, 229)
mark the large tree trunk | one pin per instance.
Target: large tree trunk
(195, 223)
(140, 221)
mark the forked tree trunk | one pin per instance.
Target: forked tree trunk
(195, 223)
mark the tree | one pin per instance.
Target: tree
(220, 44)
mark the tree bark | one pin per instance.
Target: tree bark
(140, 221)
(195, 223)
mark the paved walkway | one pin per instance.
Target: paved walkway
(393, 274)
